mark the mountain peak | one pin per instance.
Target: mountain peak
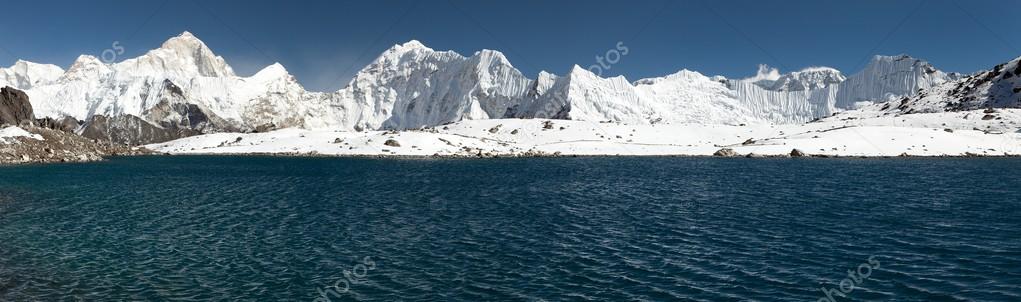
(899, 63)
(86, 59)
(902, 61)
(410, 45)
(275, 70)
(683, 74)
(491, 57)
(186, 41)
(577, 69)
(809, 78)
(886, 58)
(183, 56)
(85, 66)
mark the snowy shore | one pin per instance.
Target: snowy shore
(853, 133)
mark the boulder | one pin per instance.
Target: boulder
(265, 128)
(725, 152)
(392, 143)
(798, 153)
(15, 108)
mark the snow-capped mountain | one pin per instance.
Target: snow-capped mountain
(183, 76)
(411, 86)
(184, 85)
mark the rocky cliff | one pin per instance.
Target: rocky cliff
(15, 108)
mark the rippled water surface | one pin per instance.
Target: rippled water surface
(605, 229)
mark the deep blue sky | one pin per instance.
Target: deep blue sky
(324, 42)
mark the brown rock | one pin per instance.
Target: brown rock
(15, 107)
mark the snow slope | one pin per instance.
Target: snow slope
(855, 133)
(8, 134)
(688, 96)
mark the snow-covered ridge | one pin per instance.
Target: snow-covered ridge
(810, 78)
(411, 85)
(999, 87)
(25, 75)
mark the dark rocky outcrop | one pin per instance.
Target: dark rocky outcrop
(66, 124)
(798, 153)
(131, 130)
(59, 142)
(15, 109)
(187, 116)
(268, 127)
(174, 111)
